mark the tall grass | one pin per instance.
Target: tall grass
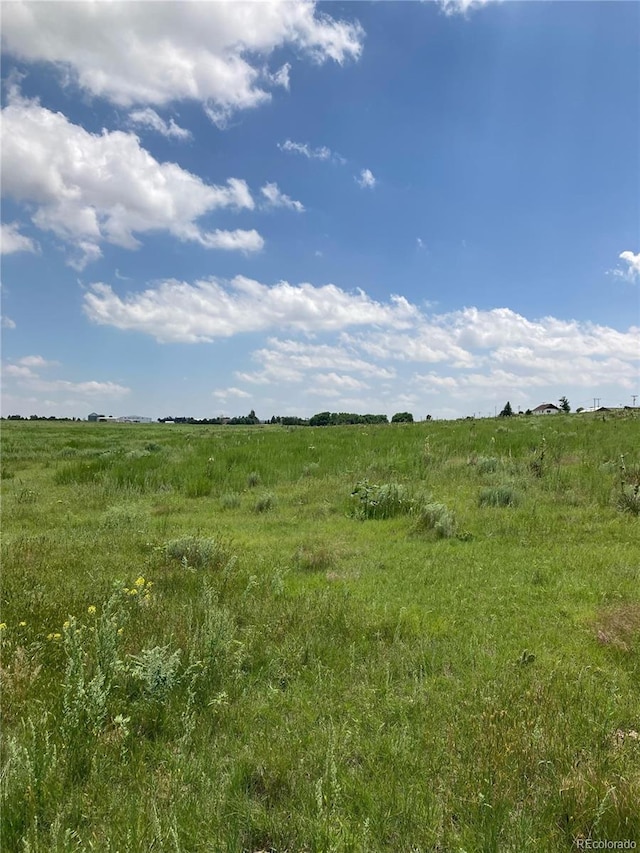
(181, 672)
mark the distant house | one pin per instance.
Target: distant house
(94, 416)
(545, 409)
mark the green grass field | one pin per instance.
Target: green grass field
(415, 637)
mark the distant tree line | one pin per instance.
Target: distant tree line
(37, 418)
(319, 419)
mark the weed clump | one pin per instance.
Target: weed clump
(230, 500)
(369, 501)
(196, 552)
(436, 517)
(265, 503)
(253, 479)
(487, 465)
(314, 557)
(499, 496)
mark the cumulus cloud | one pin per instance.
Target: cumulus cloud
(290, 361)
(366, 179)
(150, 118)
(210, 309)
(91, 188)
(462, 7)
(7, 322)
(224, 393)
(209, 52)
(632, 271)
(25, 377)
(276, 198)
(11, 240)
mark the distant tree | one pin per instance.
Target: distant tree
(528, 412)
(579, 409)
(564, 405)
(402, 418)
(507, 412)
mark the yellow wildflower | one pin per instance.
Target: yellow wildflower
(57, 636)
(140, 581)
(49, 636)
(3, 626)
(91, 610)
(21, 624)
(133, 591)
(120, 630)
(66, 625)
(126, 589)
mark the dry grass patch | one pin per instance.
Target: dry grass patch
(619, 626)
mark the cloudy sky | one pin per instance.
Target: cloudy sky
(292, 207)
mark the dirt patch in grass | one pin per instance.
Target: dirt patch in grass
(619, 626)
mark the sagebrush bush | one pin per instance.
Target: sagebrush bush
(253, 479)
(629, 500)
(499, 496)
(436, 517)
(385, 501)
(265, 503)
(230, 500)
(197, 552)
(487, 464)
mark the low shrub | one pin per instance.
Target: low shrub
(435, 517)
(253, 479)
(369, 501)
(629, 500)
(487, 465)
(499, 496)
(197, 552)
(265, 503)
(230, 500)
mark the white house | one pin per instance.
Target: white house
(545, 409)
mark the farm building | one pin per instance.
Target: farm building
(545, 409)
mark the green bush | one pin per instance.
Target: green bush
(265, 503)
(487, 464)
(196, 552)
(369, 501)
(436, 517)
(499, 496)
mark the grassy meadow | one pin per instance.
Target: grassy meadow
(420, 637)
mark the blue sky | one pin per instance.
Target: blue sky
(292, 207)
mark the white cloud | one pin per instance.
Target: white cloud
(224, 393)
(632, 272)
(276, 198)
(335, 384)
(24, 376)
(150, 118)
(206, 310)
(281, 77)
(11, 240)
(36, 361)
(461, 7)
(92, 188)
(420, 243)
(321, 153)
(134, 54)
(290, 361)
(366, 179)
(7, 322)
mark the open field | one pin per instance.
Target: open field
(211, 644)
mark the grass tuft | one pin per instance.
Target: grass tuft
(499, 496)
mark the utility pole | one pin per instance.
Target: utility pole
(634, 397)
